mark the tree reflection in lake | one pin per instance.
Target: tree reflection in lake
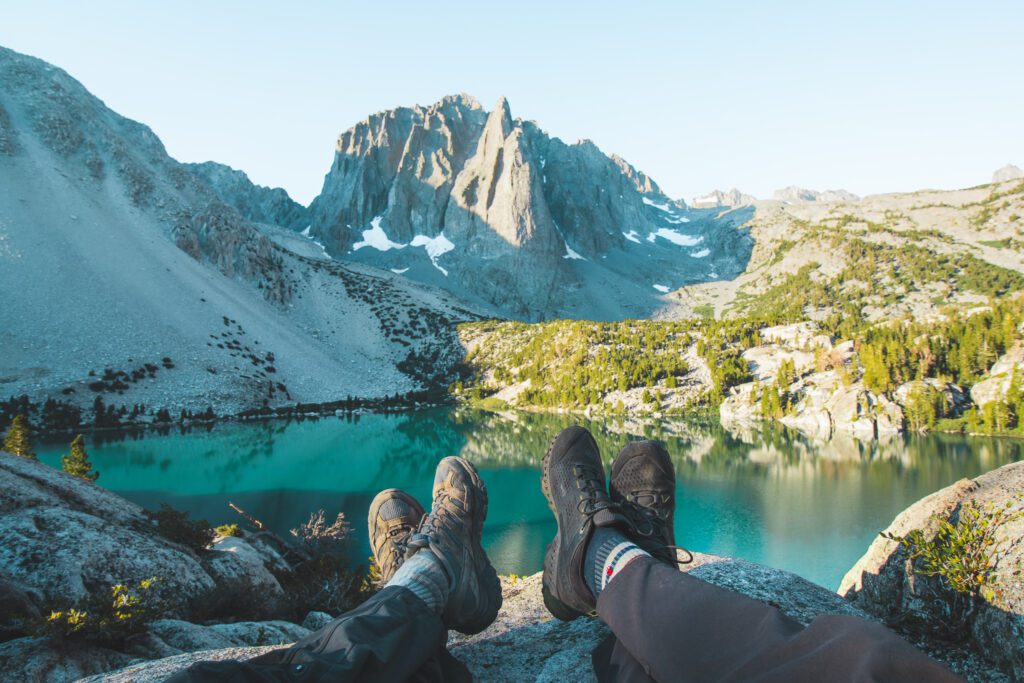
(770, 496)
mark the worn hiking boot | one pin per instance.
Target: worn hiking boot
(574, 484)
(643, 485)
(453, 531)
(394, 515)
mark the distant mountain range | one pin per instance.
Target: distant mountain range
(131, 276)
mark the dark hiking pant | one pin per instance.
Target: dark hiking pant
(667, 626)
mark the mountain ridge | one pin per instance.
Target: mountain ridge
(541, 223)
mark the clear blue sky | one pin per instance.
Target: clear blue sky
(868, 96)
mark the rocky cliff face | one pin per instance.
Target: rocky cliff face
(256, 203)
(492, 208)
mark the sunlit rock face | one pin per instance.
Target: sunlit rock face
(493, 208)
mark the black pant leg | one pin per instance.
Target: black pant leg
(391, 637)
(680, 628)
(613, 663)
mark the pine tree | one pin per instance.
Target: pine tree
(17, 439)
(77, 464)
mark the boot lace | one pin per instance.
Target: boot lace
(652, 526)
(590, 485)
(443, 515)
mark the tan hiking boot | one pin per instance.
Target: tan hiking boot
(394, 515)
(452, 531)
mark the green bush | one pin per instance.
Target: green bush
(108, 617)
(492, 404)
(226, 530)
(175, 525)
(962, 558)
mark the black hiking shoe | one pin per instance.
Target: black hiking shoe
(394, 515)
(643, 485)
(574, 484)
(452, 531)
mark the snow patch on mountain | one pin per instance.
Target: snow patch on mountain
(376, 237)
(662, 206)
(435, 246)
(675, 237)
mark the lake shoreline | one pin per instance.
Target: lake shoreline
(353, 407)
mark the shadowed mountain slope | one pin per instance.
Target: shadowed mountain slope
(125, 276)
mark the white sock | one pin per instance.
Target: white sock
(424, 575)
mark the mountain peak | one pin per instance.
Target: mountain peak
(461, 99)
(502, 109)
(1008, 172)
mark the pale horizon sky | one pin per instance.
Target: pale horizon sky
(870, 97)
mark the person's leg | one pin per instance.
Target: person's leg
(676, 627)
(437, 577)
(613, 663)
(680, 628)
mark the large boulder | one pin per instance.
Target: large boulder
(995, 386)
(863, 413)
(63, 539)
(825, 406)
(879, 582)
(36, 659)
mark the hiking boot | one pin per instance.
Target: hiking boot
(643, 485)
(453, 531)
(394, 514)
(574, 484)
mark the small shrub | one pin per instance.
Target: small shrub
(226, 530)
(325, 582)
(319, 539)
(962, 557)
(175, 525)
(107, 618)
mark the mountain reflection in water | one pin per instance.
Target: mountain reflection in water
(768, 496)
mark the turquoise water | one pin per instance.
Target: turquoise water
(772, 497)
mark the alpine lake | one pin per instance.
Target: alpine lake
(769, 496)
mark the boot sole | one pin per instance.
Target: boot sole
(557, 608)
